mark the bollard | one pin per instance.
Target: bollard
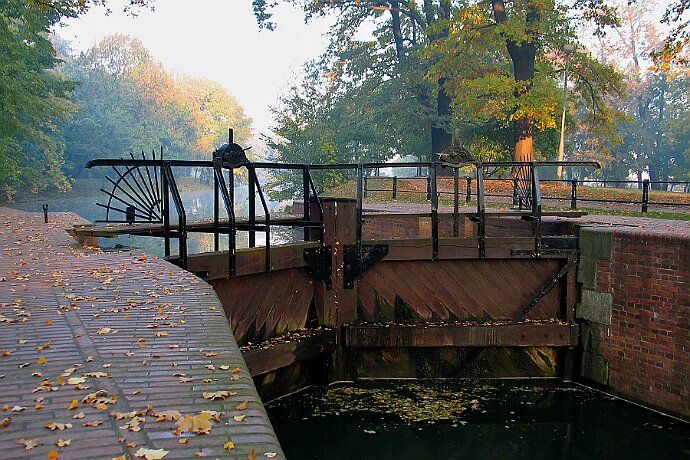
(130, 215)
(428, 188)
(573, 194)
(395, 187)
(645, 195)
(468, 195)
(45, 213)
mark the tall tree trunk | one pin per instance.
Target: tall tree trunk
(523, 55)
(441, 136)
(397, 31)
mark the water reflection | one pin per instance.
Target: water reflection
(198, 206)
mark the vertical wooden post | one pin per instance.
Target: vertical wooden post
(339, 305)
(571, 299)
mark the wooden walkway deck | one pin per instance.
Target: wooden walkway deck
(105, 355)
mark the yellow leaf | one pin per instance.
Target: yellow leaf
(218, 395)
(41, 360)
(151, 454)
(183, 440)
(38, 406)
(242, 405)
(200, 424)
(168, 415)
(44, 346)
(53, 455)
(239, 418)
(49, 322)
(229, 445)
(236, 370)
(94, 423)
(6, 421)
(27, 443)
(58, 426)
(73, 405)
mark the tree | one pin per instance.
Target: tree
(454, 56)
(34, 100)
(128, 102)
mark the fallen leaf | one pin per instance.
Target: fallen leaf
(94, 423)
(4, 422)
(270, 454)
(78, 415)
(18, 409)
(63, 442)
(39, 406)
(22, 341)
(239, 418)
(27, 443)
(168, 415)
(76, 380)
(44, 346)
(200, 424)
(183, 440)
(151, 454)
(229, 445)
(242, 405)
(73, 405)
(225, 368)
(58, 426)
(49, 322)
(96, 375)
(236, 370)
(252, 455)
(41, 360)
(123, 415)
(211, 354)
(53, 455)
(218, 395)
(199, 454)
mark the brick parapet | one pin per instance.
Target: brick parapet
(643, 352)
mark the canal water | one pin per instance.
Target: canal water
(487, 419)
(198, 206)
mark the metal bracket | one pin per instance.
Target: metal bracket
(357, 264)
(320, 263)
(572, 261)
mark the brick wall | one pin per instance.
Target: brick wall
(635, 314)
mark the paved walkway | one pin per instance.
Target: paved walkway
(107, 355)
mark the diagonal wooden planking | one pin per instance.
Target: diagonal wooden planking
(487, 289)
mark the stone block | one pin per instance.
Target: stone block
(587, 272)
(595, 368)
(596, 242)
(595, 306)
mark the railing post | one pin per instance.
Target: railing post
(366, 185)
(434, 213)
(645, 195)
(468, 195)
(306, 191)
(573, 194)
(251, 189)
(456, 202)
(428, 187)
(216, 213)
(45, 213)
(516, 195)
(130, 214)
(395, 187)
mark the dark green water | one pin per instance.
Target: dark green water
(513, 419)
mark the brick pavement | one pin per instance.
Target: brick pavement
(119, 335)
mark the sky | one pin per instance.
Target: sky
(218, 40)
